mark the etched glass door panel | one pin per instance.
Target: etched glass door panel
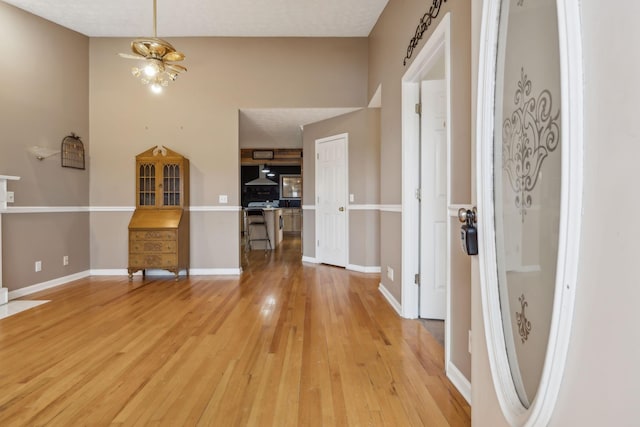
(527, 183)
(530, 180)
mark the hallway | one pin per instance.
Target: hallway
(286, 344)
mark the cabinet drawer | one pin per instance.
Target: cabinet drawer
(152, 246)
(153, 260)
(153, 235)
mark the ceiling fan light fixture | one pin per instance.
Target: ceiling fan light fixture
(151, 70)
(158, 56)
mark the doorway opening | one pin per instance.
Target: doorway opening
(271, 191)
(426, 164)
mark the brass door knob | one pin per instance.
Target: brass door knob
(465, 215)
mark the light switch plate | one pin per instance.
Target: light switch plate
(10, 197)
(222, 198)
(352, 198)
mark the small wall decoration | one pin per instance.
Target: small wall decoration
(423, 25)
(72, 152)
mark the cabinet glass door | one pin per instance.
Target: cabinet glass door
(171, 184)
(147, 185)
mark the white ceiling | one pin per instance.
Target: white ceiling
(280, 127)
(201, 18)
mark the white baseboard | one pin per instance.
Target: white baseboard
(215, 271)
(364, 268)
(4, 296)
(18, 293)
(459, 381)
(192, 272)
(390, 299)
(311, 260)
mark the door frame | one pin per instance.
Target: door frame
(437, 45)
(345, 137)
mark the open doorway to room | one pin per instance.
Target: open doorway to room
(426, 185)
(271, 171)
(430, 233)
(271, 196)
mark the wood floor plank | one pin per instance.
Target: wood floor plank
(284, 344)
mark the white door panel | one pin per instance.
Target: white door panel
(331, 200)
(433, 207)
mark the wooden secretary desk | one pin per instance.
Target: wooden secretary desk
(159, 227)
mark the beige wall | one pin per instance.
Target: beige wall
(44, 97)
(600, 384)
(47, 238)
(363, 127)
(387, 48)
(197, 116)
(364, 238)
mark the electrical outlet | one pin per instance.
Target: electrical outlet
(352, 198)
(65, 260)
(390, 273)
(38, 266)
(222, 198)
(10, 197)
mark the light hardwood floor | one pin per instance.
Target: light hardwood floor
(285, 344)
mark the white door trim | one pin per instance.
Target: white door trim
(344, 136)
(438, 44)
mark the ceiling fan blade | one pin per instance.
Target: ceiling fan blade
(175, 67)
(128, 56)
(174, 56)
(157, 50)
(140, 48)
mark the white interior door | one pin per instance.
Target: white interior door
(331, 200)
(434, 249)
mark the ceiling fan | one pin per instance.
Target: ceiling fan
(159, 58)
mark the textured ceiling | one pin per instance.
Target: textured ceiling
(199, 18)
(280, 127)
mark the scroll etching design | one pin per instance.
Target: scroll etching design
(528, 136)
(524, 325)
(425, 22)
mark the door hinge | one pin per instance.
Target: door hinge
(318, 243)
(418, 109)
(419, 194)
(318, 156)
(416, 279)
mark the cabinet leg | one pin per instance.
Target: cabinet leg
(177, 277)
(130, 276)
